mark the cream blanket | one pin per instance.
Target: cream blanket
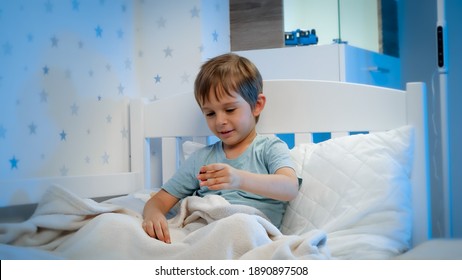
(66, 226)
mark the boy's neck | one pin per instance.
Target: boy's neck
(234, 151)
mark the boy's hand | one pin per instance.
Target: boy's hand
(219, 176)
(155, 225)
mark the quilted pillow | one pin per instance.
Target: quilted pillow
(356, 189)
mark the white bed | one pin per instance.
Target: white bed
(364, 196)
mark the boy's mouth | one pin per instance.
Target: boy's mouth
(226, 132)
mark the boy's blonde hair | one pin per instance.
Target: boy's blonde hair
(226, 74)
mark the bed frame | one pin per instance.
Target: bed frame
(158, 128)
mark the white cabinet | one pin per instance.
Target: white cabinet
(336, 62)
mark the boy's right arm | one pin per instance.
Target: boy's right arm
(155, 223)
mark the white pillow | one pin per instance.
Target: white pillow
(357, 190)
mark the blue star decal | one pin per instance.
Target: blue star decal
(63, 170)
(63, 135)
(121, 89)
(109, 119)
(124, 132)
(105, 158)
(75, 5)
(185, 78)
(7, 48)
(99, 31)
(194, 12)
(14, 162)
(32, 128)
(74, 109)
(157, 78)
(43, 96)
(168, 52)
(2, 132)
(46, 70)
(215, 36)
(120, 33)
(49, 6)
(161, 22)
(128, 64)
(54, 41)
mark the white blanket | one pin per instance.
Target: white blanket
(66, 226)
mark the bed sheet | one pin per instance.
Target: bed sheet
(435, 249)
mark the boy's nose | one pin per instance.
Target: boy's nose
(221, 119)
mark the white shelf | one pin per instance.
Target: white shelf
(336, 62)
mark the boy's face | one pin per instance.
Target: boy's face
(231, 118)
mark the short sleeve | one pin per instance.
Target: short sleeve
(277, 155)
(184, 182)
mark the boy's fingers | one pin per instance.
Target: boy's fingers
(157, 231)
(162, 232)
(165, 231)
(167, 236)
(212, 167)
(148, 228)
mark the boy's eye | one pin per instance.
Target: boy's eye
(210, 114)
(230, 110)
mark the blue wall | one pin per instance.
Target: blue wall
(68, 69)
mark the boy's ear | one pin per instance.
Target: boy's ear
(260, 105)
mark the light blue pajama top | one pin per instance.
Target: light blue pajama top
(264, 156)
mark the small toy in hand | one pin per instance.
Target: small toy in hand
(202, 172)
